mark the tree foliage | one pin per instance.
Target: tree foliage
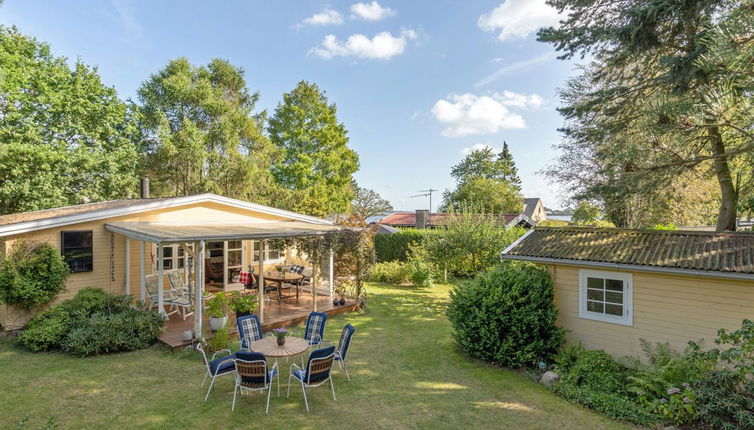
(666, 95)
(202, 133)
(65, 137)
(367, 203)
(315, 165)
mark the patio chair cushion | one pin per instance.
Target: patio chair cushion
(319, 353)
(250, 329)
(296, 269)
(315, 325)
(222, 365)
(301, 376)
(179, 301)
(344, 342)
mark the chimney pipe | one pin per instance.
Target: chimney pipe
(422, 218)
(145, 187)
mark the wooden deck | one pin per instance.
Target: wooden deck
(289, 313)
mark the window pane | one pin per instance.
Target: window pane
(273, 255)
(595, 294)
(595, 306)
(234, 258)
(614, 297)
(597, 283)
(234, 244)
(167, 264)
(616, 310)
(77, 251)
(614, 284)
(167, 252)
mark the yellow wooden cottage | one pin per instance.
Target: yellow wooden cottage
(114, 245)
(614, 287)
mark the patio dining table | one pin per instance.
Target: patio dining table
(281, 278)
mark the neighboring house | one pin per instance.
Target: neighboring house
(534, 209)
(423, 219)
(111, 245)
(614, 287)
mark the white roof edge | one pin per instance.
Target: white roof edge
(63, 220)
(516, 242)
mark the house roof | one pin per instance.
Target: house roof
(530, 203)
(49, 218)
(693, 252)
(408, 219)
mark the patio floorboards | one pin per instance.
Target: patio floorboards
(289, 313)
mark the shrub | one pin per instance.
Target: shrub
(93, 322)
(615, 406)
(32, 275)
(128, 330)
(506, 316)
(395, 247)
(419, 267)
(723, 401)
(391, 272)
(46, 330)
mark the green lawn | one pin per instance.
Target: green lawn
(406, 373)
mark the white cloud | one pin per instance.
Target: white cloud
(518, 18)
(477, 147)
(382, 46)
(513, 67)
(326, 17)
(371, 11)
(469, 114)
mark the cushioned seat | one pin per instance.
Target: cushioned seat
(248, 381)
(222, 365)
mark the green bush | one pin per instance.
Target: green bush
(419, 267)
(32, 275)
(594, 379)
(128, 330)
(390, 272)
(723, 401)
(507, 315)
(395, 247)
(46, 330)
(93, 322)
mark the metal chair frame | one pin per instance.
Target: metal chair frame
(316, 366)
(255, 368)
(209, 371)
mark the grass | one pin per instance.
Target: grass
(406, 373)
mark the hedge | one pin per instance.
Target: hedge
(392, 247)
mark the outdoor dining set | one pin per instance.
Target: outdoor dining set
(250, 364)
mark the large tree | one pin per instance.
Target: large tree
(65, 137)
(667, 94)
(489, 164)
(203, 134)
(316, 165)
(367, 203)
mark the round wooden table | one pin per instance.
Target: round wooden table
(280, 278)
(269, 346)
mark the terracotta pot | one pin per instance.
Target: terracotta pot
(281, 341)
(342, 301)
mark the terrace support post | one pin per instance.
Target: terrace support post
(160, 280)
(142, 264)
(198, 297)
(331, 273)
(260, 281)
(314, 286)
(127, 267)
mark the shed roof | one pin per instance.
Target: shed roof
(667, 251)
(177, 233)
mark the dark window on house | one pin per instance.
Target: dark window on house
(76, 248)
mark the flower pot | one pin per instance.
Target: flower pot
(342, 301)
(335, 302)
(187, 335)
(281, 341)
(240, 314)
(217, 323)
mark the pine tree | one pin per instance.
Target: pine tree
(508, 166)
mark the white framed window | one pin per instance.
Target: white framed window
(274, 254)
(606, 296)
(173, 256)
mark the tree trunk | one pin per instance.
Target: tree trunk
(726, 218)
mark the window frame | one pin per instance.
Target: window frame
(628, 311)
(255, 251)
(62, 249)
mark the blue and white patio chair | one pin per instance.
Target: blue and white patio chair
(252, 374)
(342, 351)
(314, 332)
(249, 330)
(318, 370)
(224, 365)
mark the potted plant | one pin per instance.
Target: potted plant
(280, 334)
(242, 304)
(217, 309)
(340, 292)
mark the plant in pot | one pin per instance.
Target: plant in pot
(217, 308)
(242, 304)
(280, 334)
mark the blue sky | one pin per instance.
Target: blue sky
(416, 83)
